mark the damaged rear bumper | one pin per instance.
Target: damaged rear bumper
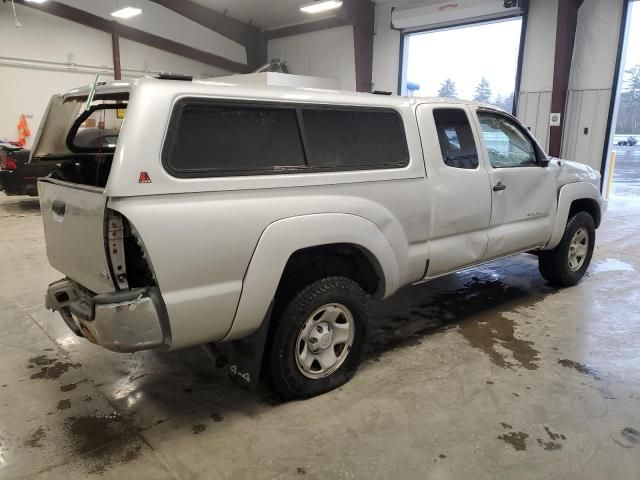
(125, 321)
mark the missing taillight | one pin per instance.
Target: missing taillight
(138, 267)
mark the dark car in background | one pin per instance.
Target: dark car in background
(629, 142)
(18, 176)
(14, 179)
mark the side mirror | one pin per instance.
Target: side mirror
(544, 162)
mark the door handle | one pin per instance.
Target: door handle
(498, 187)
(58, 207)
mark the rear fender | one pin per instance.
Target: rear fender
(284, 237)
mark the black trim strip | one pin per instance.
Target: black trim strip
(523, 39)
(615, 87)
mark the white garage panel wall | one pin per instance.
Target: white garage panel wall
(533, 110)
(49, 55)
(590, 84)
(326, 53)
(534, 101)
(585, 126)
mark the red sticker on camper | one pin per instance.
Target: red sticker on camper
(144, 178)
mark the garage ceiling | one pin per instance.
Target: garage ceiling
(272, 14)
(264, 14)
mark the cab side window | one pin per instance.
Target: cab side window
(456, 139)
(506, 144)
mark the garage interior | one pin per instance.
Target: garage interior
(486, 373)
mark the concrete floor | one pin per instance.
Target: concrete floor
(489, 373)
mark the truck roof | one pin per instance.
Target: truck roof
(227, 88)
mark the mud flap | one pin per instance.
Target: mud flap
(245, 355)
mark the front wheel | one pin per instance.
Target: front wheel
(566, 264)
(319, 340)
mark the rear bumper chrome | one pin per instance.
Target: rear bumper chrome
(125, 321)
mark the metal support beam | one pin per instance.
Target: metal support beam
(124, 31)
(308, 27)
(115, 47)
(565, 37)
(363, 29)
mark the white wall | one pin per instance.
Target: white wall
(534, 103)
(590, 84)
(49, 55)
(326, 53)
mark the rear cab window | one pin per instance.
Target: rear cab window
(456, 140)
(212, 138)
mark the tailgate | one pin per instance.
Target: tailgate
(74, 228)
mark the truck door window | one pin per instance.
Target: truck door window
(456, 139)
(506, 144)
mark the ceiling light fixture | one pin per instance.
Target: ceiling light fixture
(35, 1)
(126, 12)
(321, 6)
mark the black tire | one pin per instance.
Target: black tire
(284, 373)
(554, 264)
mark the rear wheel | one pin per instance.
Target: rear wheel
(319, 340)
(566, 264)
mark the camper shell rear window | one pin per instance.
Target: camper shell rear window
(72, 127)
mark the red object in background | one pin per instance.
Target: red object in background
(7, 163)
(23, 130)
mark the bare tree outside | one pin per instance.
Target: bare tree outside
(629, 110)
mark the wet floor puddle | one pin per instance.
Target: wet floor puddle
(598, 376)
(476, 310)
(518, 439)
(90, 432)
(497, 335)
(49, 368)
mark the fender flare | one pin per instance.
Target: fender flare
(284, 237)
(569, 193)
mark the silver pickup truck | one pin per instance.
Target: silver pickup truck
(262, 219)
